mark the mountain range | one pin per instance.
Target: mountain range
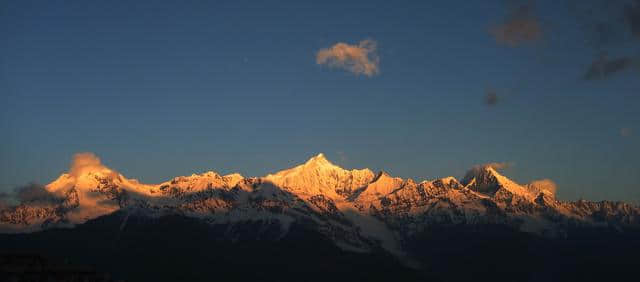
(357, 211)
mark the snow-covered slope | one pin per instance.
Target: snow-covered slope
(358, 209)
(318, 176)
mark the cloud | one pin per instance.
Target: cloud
(632, 17)
(342, 157)
(498, 165)
(519, 27)
(491, 97)
(87, 162)
(543, 185)
(626, 132)
(32, 194)
(603, 67)
(358, 59)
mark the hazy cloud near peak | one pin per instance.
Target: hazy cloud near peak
(544, 184)
(358, 59)
(519, 27)
(342, 157)
(497, 165)
(86, 161)
(34, 193)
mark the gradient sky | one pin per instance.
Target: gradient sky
(165, 88)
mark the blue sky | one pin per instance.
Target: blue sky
(165, 88)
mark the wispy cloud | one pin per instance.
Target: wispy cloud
(87, 162)
(358, 59)
(498, 165)
(32, 194)
(519, 27)
(342, 157)
(603, 67)
(35, 194)
(626, 132)
(543, 184)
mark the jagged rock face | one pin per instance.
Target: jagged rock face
(482, 180)
(357, 209)
(25, 214)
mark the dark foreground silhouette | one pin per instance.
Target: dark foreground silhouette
(176, 248)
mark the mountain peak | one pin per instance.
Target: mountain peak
(490, 169)
(487, 180)
(480, 172)
(382, 185)
(318, 159)
(319, 176)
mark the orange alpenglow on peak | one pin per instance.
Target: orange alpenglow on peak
(319, 176)
(319, 159)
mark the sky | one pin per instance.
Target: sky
(420, 89)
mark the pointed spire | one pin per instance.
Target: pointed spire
(319, 159)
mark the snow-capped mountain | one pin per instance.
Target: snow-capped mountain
(359, 210)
